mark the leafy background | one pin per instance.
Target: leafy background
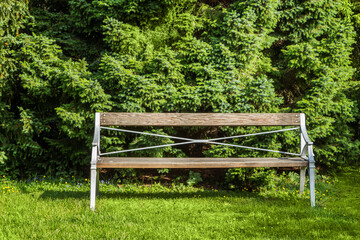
(62, 60)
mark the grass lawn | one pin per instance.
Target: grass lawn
(49, 209)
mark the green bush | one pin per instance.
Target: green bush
(174, 56)
(249, 178)
(194, 178)
(315, 66)
(47, 107)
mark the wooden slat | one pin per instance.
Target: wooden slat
(131, 162)
(200, 119)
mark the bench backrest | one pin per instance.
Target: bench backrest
(199, 119)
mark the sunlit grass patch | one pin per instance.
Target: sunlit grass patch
(47, 208)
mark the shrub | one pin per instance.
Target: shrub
(47, 107)
(174, 56)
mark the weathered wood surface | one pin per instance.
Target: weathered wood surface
(133, 162)
(200, 119)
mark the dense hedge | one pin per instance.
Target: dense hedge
(62, 60)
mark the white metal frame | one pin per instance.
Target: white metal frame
(306, 148)
(94, 172)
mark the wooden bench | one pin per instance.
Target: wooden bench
(304, 159)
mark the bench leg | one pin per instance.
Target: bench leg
(312, 183)
(302, 179)
(93, 186)
(97, 182)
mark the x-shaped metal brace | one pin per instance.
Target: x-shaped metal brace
(190, 140)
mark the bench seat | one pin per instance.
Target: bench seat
(137, 162)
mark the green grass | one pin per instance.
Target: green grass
(49, 209)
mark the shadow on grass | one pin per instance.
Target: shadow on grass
(63, 194)
(54, 194)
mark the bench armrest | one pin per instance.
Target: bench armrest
(308, 146)
(303, 129)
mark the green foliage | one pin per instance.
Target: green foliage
(48, 107)
(249, 178)
(316, 70)
(14, 15)
(351, 11)
(163, 170)
(240, 56)
(124, 38)
(194, 178)
(146, 141)
(154, 14)
(54, 20)
(175, 56)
